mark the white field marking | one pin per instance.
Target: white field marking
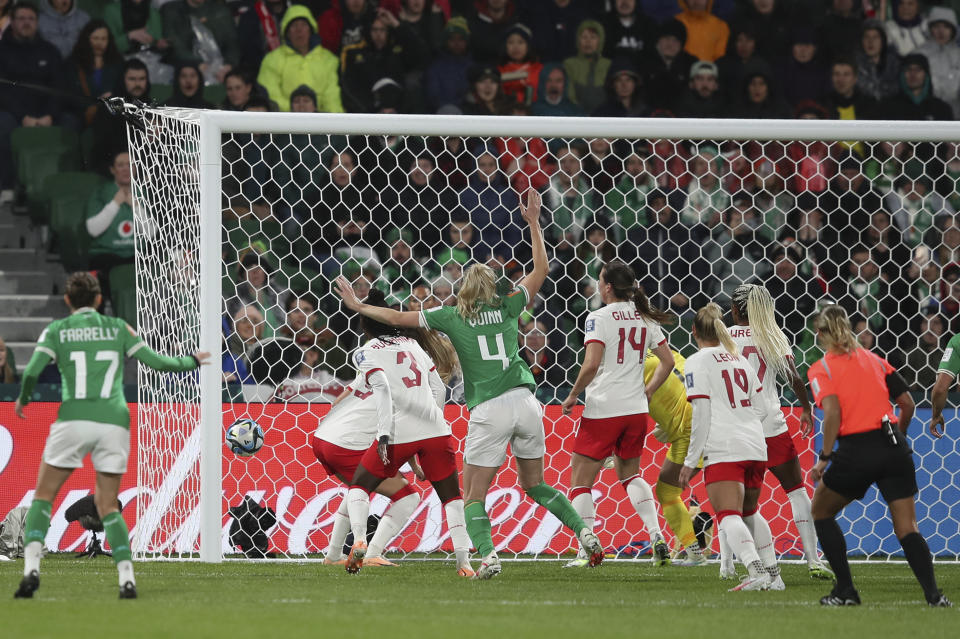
(742, 603)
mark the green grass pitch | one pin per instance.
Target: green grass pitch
(422, 600)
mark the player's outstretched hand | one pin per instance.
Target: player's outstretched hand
(806, 422)
(937, 426)
(18, 409)
(568, 404)
(203, 357)
(344, 289)
(531, 211)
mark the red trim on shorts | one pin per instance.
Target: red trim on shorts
(693, 397)
(722, 514)
(370, 372)
(406, 491)
(626, 482)
(576, 491)
(598, 341)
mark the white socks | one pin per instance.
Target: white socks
(583, 504)
(31, 557)
(358, 505)
(457, 524)
(763, 542)
(738, 539)
(641, 496)
(341, 526)
(800, 504)
(125, 571)
(390, 524)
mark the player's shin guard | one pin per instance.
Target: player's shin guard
(800, 505)
(581, 498)
(478, 527)
(457, 525)
(835, 548)
(35, 528)
(554, 501)
(738, 536)
(676, 513)
(341, 526)
(358, 505)
(763, 542)
(641, 496)
(393, 520)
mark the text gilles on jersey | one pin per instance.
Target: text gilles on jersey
(88, 334)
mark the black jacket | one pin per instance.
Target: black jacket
(33, 61)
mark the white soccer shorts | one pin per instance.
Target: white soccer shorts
(514, 418)
(70, 441)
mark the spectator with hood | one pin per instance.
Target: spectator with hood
(109, 132)
(878, 66)
(343, 23)
(555, 25)
(60, 23)
(445, 81)
(552, 94)
(758, 99)
(587, 71)
(706, 33)
(703, 99)
(178, 19)
(916, 100)
(907, 30)
(424, 20)
(624, 92)
(742, 57)
(258, 31)
(135, 24)
(840, 29)
(488, 28)
(629, 30)
(769, 21)
(188, 88)
(805, 77)
(486, 95)
(520, 67)
(943, 54)
(667, 66)
(301, 60)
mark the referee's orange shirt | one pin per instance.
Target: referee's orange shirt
(858, 379)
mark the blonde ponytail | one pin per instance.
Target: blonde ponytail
(440, 350)
(833, 324)
(478, 287)
(773, 345)
(710, 328)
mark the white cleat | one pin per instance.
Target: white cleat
(776, 583)
(591, 547)
(489, 567)
(760, 582)
(728, 571)
(691, 560)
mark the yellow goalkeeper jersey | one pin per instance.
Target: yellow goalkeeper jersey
(669, 406)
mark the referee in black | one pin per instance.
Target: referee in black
(854, 388)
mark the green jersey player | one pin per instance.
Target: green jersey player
(946, 377)
(498, 386)
(93, 418)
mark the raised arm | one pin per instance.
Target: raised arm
(531, 213)
(156, 361)
(403, 319)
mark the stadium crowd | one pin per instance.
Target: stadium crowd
(873, 226)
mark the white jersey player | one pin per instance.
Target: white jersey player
(761, 341)
(727, 432)
(615, 416)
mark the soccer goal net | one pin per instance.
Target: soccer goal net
(244, 220)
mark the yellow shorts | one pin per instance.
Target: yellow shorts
(678, 450)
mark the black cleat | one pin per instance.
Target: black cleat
(849, 597)
(939, 600)
(28, 586)
(128, 591)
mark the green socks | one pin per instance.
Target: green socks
(554, 501)
(117, 536)
(478, 527)
(37, 523)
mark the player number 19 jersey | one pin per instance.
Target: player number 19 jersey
(775, 423)
(618, 388)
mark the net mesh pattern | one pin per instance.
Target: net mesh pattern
(869, 225)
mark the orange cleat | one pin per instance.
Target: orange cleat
(379, 561)
(331, 562)
(355, 559)
(466, 571)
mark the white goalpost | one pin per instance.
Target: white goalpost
(244, 219)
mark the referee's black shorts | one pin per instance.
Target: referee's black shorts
(871, 458)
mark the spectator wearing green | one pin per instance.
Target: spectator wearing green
(915, 205)
(301, 60)
(181, 19)
(587, 71)
(707, 199)
(570, 200)
(135, 24)
(626, 202)
(109, 224)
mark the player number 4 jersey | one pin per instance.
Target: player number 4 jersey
(416, 415)
(776, 422)
(733, 389)
(618, 388)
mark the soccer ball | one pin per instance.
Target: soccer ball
(245, 437)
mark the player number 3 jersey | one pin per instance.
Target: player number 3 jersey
(618, 388)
